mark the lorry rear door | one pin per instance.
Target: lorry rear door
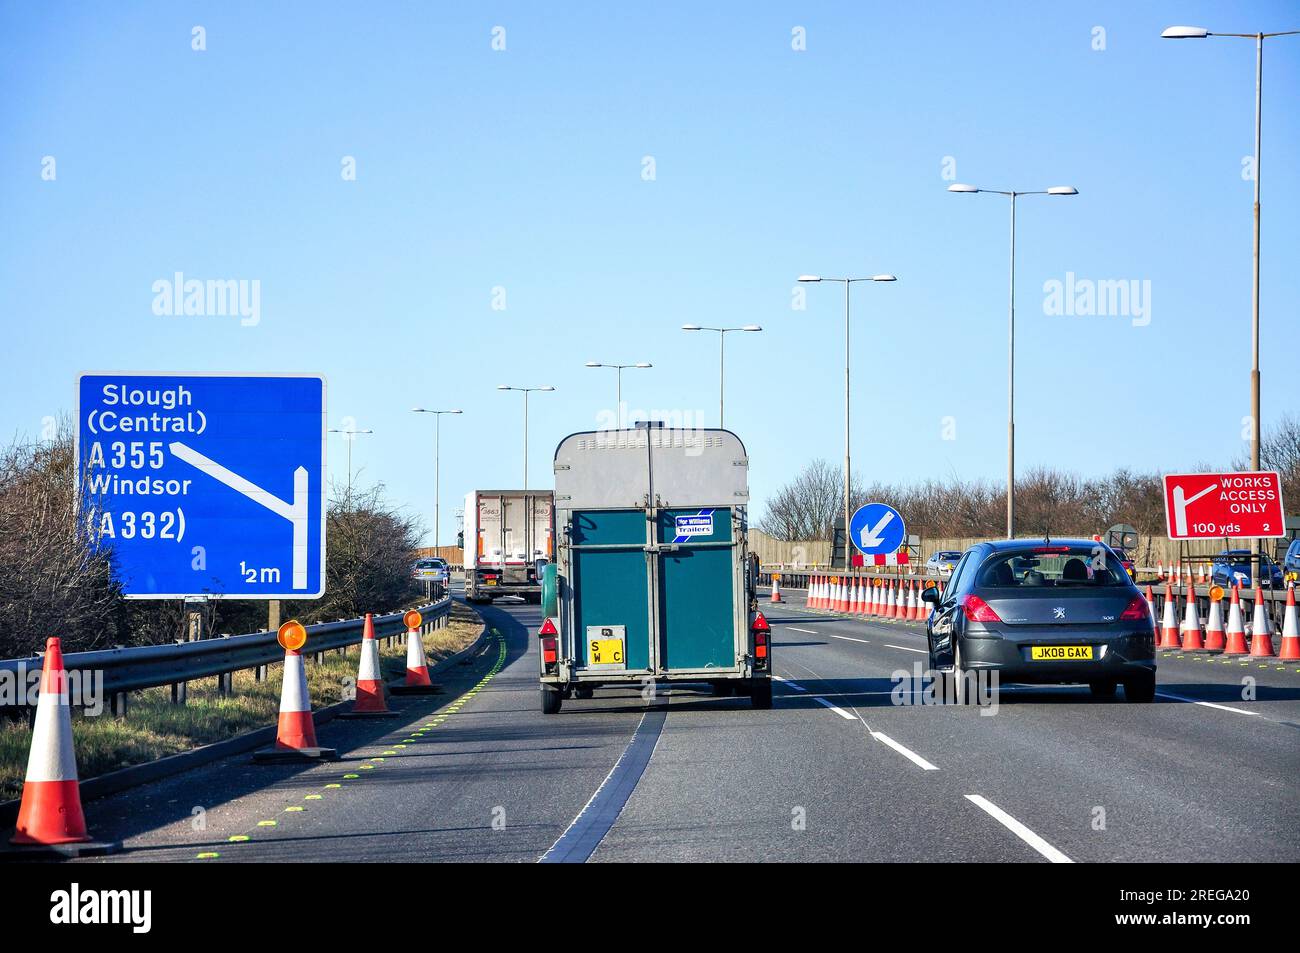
(696, 589)
(608, 570)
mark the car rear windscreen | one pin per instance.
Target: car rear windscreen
(1059, 567)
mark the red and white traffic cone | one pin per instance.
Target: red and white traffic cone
(1214, 640)
(1236, 627)
(50, 818)
(1191, 631)
(911, 601)
(776, 588)
(369, 701)
(1160, 569)
(1261, 631)
(1151, 608)
(842, 595)
(918, 604)
(1290, 633)
(815, 592)
(295, 734)
(1169, 624)
(894, 598)
(417, 665)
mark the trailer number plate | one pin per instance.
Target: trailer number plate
(606, 648)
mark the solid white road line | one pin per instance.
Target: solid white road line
(1024, 833)
(1180, 698)
(845, 638)
(835, 708)
(907, 753)
(906, 648)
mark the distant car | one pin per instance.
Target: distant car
(1236, 567)
(1043, 612)
(1126, 560)
(434, 570)
(1291, 562)
(942, 562)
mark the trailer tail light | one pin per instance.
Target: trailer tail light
(550, 641)
(977, 610)
(1137, 609)
(760, 631)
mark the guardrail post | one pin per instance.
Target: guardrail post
(179, 689)
(259, 673)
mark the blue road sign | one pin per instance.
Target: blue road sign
(877, 528)
(206, 485)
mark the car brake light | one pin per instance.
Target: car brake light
(1137, 609)
(977, 610)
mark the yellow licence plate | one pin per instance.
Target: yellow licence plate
(489, 582)
(1061, 653)
(605, 652)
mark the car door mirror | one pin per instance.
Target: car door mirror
(930, 594)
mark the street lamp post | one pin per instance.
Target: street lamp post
(848, 283)
(525, 391)
(619, 368)
(722, 360)
(437, 469)
(349, 436)
(1200, 33)
(1011, 339)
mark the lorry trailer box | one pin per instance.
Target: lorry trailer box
(652, 578)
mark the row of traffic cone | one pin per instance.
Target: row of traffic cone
(50, 816)
(886, 599)
(1189, 636)
(1175, 574)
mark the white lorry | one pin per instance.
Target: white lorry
(508, 539)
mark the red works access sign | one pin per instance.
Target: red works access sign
(1214, 505)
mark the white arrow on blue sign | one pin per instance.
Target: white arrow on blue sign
(877, 528)
(206, 486)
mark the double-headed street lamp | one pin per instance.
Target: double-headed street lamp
(619, 368)
(1011, 341)
(1200, 33)
(525, 391)
(437, 469)
(848, 283)
(349, 436)
(722, 360)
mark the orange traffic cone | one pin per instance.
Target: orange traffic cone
(369, 701)
(1290, 633)
(295, 735)
(1261, 631)
(814, 592)
(1169, 624)
(417, 665)
(50, 819)
(1214, 639)
(776, 588)
(1191, 631)
(1236, 628)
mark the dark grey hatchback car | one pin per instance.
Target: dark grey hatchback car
(1044, 611)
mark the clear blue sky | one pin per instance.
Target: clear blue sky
(523, 169)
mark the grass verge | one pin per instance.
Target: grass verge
(153, 727)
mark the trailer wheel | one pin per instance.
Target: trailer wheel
(760, 693)
(551, 700)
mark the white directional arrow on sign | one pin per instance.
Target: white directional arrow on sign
(871, 535)
(295, 512)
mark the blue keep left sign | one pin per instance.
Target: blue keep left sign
(877, 528)
(205, 485)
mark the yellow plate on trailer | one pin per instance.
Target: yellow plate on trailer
(1061, 653)
(605, 652)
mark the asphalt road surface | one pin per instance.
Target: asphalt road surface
(835, 771)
